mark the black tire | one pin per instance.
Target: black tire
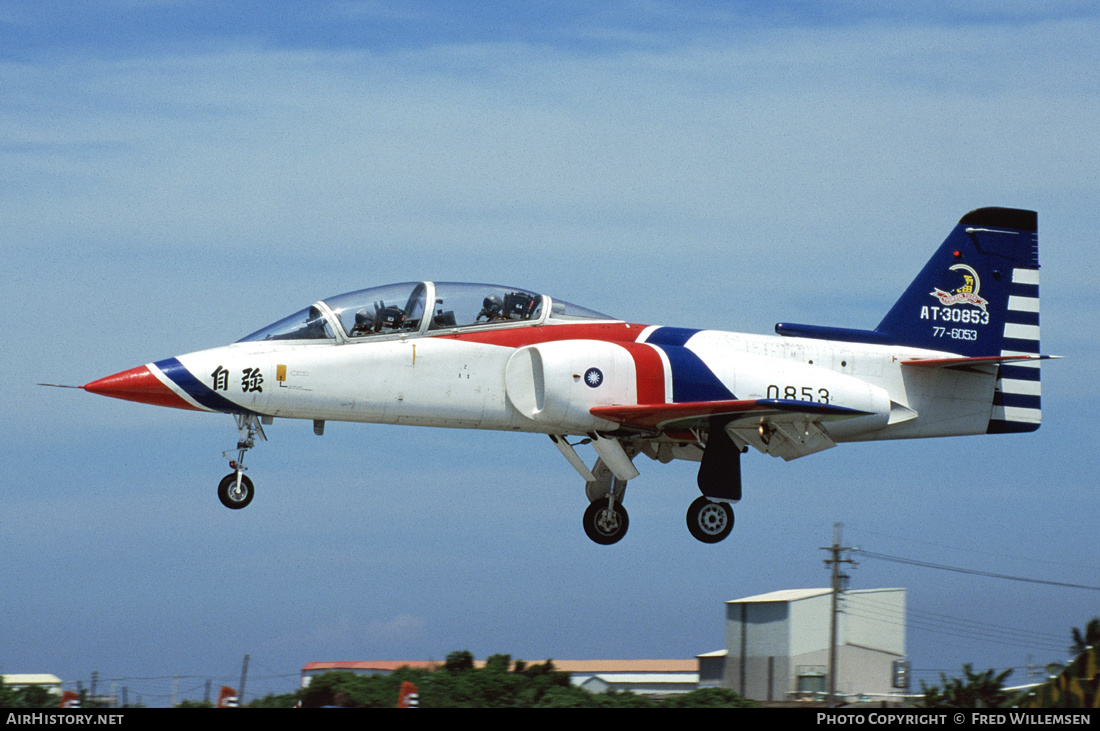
(227, 491)
(605, 525)
(709, 521)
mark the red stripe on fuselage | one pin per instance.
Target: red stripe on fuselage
(648, 366)
(612, 332)
(650, 372)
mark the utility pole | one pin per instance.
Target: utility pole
(244, 676)
(840, 583)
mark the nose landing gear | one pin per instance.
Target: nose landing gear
(236, 491)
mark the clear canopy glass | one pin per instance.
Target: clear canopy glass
(405, 308)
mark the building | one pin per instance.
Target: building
(51, 683)
(365, 667)
(644, 677)
(777, 645)
(654, 678)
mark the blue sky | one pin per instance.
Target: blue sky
(175, 175)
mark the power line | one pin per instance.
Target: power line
(995, 554)
(976, 572)
(917, 620)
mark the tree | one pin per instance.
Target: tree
(30, 696)
(459, 661)
(272, 700)
(1078, 684)
(1083, 641)
(709, 698)
(500, 683)
(188, 703)
(978, 690)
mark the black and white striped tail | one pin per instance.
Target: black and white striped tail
(1017, 394)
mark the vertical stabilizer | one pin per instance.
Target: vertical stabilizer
(979, 296)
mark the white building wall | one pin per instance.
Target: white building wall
(810, 624)
(770, 636)
(875, 619)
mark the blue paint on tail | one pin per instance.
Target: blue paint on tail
(960, 300)
(977, 296)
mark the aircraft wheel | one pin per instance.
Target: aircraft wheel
(233, 498)
(709, 521)
(605, 525)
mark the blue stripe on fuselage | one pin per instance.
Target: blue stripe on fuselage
(196, 389)
(692, 380)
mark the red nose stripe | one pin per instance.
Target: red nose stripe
(138, 384)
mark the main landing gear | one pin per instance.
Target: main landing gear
(235, 490)
(709, 521)
(709, 518)
(606, 520)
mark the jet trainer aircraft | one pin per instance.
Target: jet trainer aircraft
(957, 354)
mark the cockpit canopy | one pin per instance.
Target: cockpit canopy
(404, 308)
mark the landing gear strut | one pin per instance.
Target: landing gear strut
(235, 490)
(605, 520)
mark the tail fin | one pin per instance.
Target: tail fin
(979, 293)
(979, 296)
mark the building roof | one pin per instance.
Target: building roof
(656, 679)
(30, 679)
(381, 665)
(794, 595)
(785, 595)
(627, 666)
(715, 653)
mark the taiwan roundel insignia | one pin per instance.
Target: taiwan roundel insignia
(593, 377)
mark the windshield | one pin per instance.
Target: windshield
(307, 324)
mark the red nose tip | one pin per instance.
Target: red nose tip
(137, 384)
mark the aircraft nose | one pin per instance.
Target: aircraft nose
(137, 384)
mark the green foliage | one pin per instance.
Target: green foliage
(31, 696)
(272, 700)
(562, 697)
(709, 698)
(459, 661)
(1078, 685)
(501, 683)
(351, 690)
(978, 690)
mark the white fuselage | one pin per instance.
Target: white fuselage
(536, 383)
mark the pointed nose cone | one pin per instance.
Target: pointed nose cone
(138, 384)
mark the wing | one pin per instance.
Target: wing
(780, 427)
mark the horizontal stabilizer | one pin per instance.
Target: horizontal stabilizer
(660, 416)
(969, 363)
